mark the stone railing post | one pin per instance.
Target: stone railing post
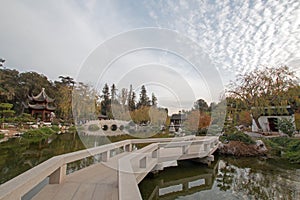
(184, 149)
(143, 162)
(128, 147)
(58, 175)
(104, 156)
(155, 154)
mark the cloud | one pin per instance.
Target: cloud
(55, 38)
(240, 36)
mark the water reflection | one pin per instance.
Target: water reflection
(18, 154)
(228, 178)
(187, 178)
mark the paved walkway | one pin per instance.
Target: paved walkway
(99, 181)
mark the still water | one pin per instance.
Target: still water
(227, 178)
(18, 154)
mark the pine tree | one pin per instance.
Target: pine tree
(105, 103)
(153, 100)
(124, 96)
(113, 92)
(144, 99)
(132, 105)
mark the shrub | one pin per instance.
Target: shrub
(288, 148)
(43, 132)
(286, 126)
(237, 136)
(47, 131)
(202, 131)
(55, 128)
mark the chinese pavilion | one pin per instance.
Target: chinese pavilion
(41, 105)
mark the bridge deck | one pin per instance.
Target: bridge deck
(99, 181)
(108, 180)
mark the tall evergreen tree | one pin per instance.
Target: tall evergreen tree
(201, 105)
(132, 105)
(124, 96)
(144, 99)
(153, 100)
(105, 103)
(113, 92)
(131, 99)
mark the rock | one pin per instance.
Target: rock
(237, 148)
(261, 147)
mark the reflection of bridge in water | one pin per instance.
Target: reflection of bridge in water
(115, 172)
(188, 180)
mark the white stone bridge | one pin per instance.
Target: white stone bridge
(116, 173)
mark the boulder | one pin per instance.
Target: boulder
(237, 148)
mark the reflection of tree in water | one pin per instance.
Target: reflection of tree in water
(19, 155)
(225, 176)
(259, 180)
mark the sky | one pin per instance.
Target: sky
(181, 50)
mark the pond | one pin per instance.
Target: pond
(227, 178)
(18, 154)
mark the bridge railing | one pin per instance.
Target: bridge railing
(56, 168)
(135, 166)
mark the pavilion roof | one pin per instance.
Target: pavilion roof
(41, 97)
(41, 107)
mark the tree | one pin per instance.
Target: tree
(105, 103)
(286, 126)
(132, 105)
(124, 96)
(201, 105)
(113, 92)
(197, 120)
(64, 89)
(144, 99)
(245, 118)
(153, 100)
(84, 102)
(263, 88)
(66, 80)
(131, 99)
(5, 111)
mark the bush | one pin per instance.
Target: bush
(47, 131)
(288, 148)
(25, 117)
(55, 128)
(202, 131)
(1, 136)
(43, 132)
(238, 136)
(286, 126)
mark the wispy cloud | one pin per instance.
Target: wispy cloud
(55, 37)
(239, 36)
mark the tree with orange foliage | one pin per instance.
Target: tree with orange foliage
(197, 120)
